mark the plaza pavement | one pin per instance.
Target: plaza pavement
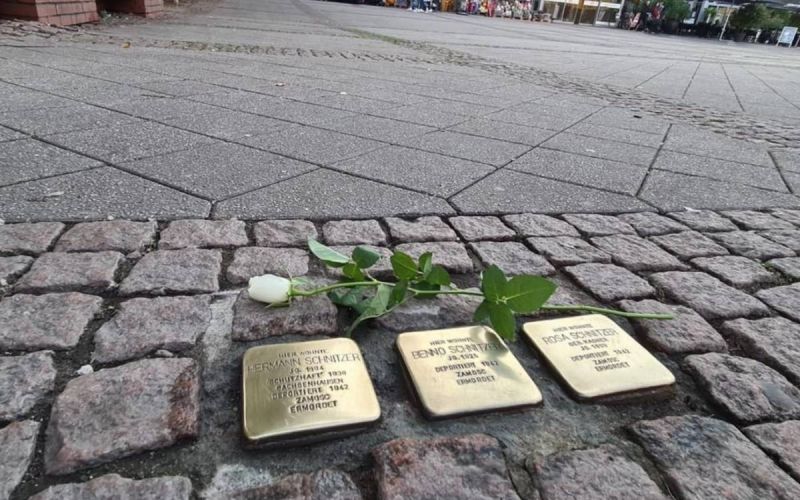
(121, 341)
(265, 109)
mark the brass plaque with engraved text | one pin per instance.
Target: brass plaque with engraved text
(302, 390)
(595, 357)
(460, 371)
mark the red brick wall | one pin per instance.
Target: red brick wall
(58, 12)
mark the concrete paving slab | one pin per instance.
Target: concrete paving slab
(312, 144)
(423, 171)
(96, 194)
(218, 171)
(689, 139)
(324, 194)
(739, 173)
(507, 191)
(583, 170)
(489, 151)
(29, 159)
(670, 191)
(601, 148)
(127, 142)
(45, 121)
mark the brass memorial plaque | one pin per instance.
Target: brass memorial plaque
(595, 357)
(306, 391)
(459, 371)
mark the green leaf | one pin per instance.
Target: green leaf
(352, 271)
(481, 313)
(403, 266)
(526, 294)
(398, 294)
(426, 263)
(502, 320)
(364, 257)
(438, 276)
(493, 283)
(377, 306)
(329, 256)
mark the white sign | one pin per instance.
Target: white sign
(787, 35)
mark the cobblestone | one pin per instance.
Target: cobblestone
(32, 238)
(117, 235)
(599, 225)
(788, 266)
(707, 295)
(203, 234)
(441, 312)
(12, 268)
(17, 446)
(781, 441)
(478, 228)
(750, 219)
(748, 390)
(594, 474)
(773, 341)
(116, 412)
(512, 257)
(651, 224)
(686, 333)
(784, 299)
(736, 271)
(752, 245)
(538, 225)
(469, 466)
(25, 381)
(255, 261)
(690, 244)
(307, 316)
(142, 326)
(788, 238)
(451, 255)
(702, 457)
(792, 216)
(637, 254)
(704, 220)
(65, 272)
(421, 229)
(115, 486)
(354, 232)
(610, 283)
(319, 485)
(51, 321)
(284, 233)
(568, 251)
(174, 271)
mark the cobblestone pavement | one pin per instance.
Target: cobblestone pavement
(148, 169)
(265, 109)
(121, 343)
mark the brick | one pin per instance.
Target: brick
(707, 295)
(512, 257)
(637, 254)
(63, 272)
(203, 234)
(599, 225)
(284, 233)
(610, 283)
(568, 251)
(354, 232)
(747, 389)
(421, 229)
(537, 225)
(689, 244)
(704, 220)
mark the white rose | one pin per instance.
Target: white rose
(269, 288)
